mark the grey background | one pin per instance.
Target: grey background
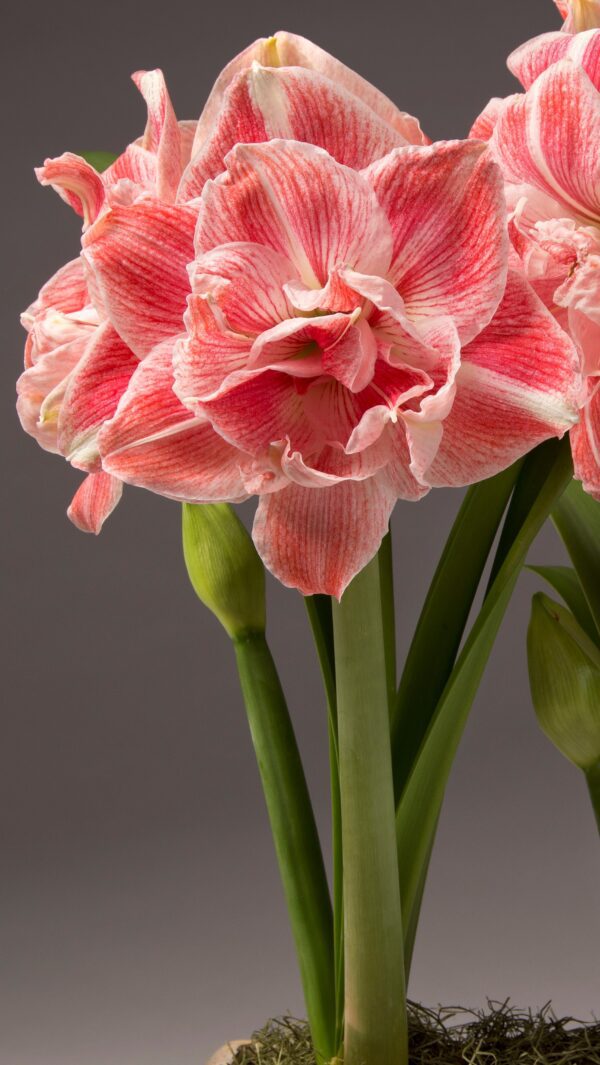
(141, 916)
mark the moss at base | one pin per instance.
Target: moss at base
(500, 1035)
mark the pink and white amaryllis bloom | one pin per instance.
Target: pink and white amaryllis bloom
(547, 141)
(352, 339)
(70, 343)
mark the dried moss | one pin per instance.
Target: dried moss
(499, 1035)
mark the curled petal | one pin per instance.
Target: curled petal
(76, 182)
(534, 57)
(94, 501)
(161, 136)
(246, 282)
(549, 138)
(317, 539)
(138, 257)
(155, 442)
(296, 199)
(41, 389)
(446, 208)
(517, 386)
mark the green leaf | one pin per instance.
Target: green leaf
(99, 160)
(544, 476)
(444, 615)
(577, 518)
(564, 580)
(564, 675)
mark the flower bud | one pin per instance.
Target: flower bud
(579, 15)
(224, 567)
(564, 674)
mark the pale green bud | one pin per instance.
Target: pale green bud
(224, 567)
(564, 674)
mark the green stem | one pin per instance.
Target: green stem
(375, 997)
(388, 615)
(593, 782)
(318, 608)
(295, 835)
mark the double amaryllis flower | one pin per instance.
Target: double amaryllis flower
(321, 314)
(547, 142)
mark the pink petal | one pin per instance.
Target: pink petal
(138, 256)
(211, 359)
(246, 282)
(549, 138)
(155, 442)
(447, 211)
(296, 199)
(585, 441)
(293, 103)
(94, 501)
(76, 182)
(516, 387)
(133, 172)
(484, 125)
(93, 393)
(41, 389)
(161, 136)
(66, 290)
(290, 50)
(317, 539)
(277, 414)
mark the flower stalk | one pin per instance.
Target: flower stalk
(375, 1003)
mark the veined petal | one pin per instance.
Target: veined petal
(66, 290)
(534, 57)
(585, 441)
(484, 124)
(549, 138)
(94, 390)
(277, 414)
(296, 199)
(317, 539)
(290, 50)
(516, 387)
(138, 256)
(246, 282)
(153, 441)
(207, 359)
(161, 136)
(446, 208)
(76, 182)
(40, 382)
(94, 501)
(292, 103)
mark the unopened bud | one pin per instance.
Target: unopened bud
(564, 675)
(224, 567)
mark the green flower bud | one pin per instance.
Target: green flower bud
(564, 674)
(224, 567)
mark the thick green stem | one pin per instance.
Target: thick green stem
(375, 997)
(319, 612)
(388, 615)
(295, 835)
(593, 782)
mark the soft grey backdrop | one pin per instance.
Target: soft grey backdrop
(141, 916)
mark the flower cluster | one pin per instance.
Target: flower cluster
(547, 142)
(300, 297)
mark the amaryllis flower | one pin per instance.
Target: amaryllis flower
(547, 141)
(69, 340)
(352, 339)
